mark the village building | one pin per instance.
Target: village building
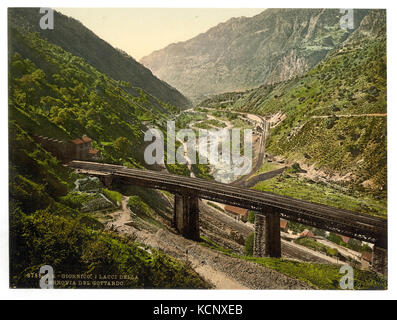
(240, 214)
(366, 260)
(94, 154)
(307, 234)
(345, 239)
(283, 225)
(77, 149)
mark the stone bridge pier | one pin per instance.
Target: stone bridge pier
(267, 237)
(379, 260)
(186, 215)
(107, 180)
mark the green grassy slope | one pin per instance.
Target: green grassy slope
(320, 276)
(332, 195)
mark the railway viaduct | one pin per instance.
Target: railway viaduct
(269, 207)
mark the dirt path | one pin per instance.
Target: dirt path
(219, 279)
(122, 223)
(120, 218)
(223, 271)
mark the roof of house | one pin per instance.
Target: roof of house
(93, 151)
(77, 141)
(236, 210)
(86, 139)
(367, 256)
(307, 233)
(345, 239)
(283, 223)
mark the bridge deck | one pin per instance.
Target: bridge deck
(344, 222)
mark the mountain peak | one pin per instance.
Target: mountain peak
(243, 53)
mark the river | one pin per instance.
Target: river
(225, 171)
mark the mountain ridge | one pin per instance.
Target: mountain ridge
(243, 53)
(81, 41)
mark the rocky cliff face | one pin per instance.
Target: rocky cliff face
(246, 52)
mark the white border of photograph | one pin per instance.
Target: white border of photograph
(6, 293)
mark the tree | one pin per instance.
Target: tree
(251, 217)
(123, 147)
(249, 245)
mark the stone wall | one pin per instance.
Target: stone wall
(379, 260)
(267, 239)
(186, 216)
(259, 238)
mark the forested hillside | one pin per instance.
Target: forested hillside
(76, 39)
(57, 94)
(334, 116)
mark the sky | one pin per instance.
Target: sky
(140, 31)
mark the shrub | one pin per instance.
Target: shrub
(113, 196)
(78, 246)
(137, 206)
(296, 168)
(75, 199)
(249, 245)
(330, 122)
(251, 217)
(88, 184)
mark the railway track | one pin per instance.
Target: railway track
(352, 224)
